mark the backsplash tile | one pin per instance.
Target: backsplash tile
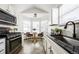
(69, 30)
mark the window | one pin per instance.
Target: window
(26, 26)
(38, 26)
(44, 26)
(35, 26)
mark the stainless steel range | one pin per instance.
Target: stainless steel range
(13, 41)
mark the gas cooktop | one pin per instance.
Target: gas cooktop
(9, 34)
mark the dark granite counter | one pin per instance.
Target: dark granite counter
(71, 37)
(70, 45)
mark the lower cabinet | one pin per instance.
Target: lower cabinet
(2, 45)
(53, 48)
(47, 45)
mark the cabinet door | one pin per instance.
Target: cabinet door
(47, 45)
(2, 45)
(52, 47)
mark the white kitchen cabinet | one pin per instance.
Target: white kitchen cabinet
(2, 45)
(47, 44)
(55, 15)
(55, 48)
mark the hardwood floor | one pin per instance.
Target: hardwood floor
(32, 48)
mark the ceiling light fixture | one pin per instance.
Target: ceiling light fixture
(35, 15)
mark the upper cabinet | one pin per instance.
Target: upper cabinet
(69, 13)
(7, 18)
(55, 15)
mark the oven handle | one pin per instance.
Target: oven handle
(14, 38)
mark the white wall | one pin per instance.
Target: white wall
(69, 13)
(4, 6)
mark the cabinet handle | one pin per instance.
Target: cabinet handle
(51, 51)
(2, 50)
(1, 42)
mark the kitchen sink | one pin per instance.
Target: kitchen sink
(72, 41)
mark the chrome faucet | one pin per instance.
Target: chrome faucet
(74, 34)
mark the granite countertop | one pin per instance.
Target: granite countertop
(71, 37)
(65, 42)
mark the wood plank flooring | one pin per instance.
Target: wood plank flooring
(32, 48)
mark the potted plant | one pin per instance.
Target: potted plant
(58, 31)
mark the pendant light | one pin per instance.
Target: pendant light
(35, 15)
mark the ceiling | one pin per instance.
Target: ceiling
(28, 10)
(46, 7)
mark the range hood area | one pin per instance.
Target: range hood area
(10, 41)
(7, 18)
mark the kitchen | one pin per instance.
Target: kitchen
(56, 24)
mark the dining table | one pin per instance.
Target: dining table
(34, 37)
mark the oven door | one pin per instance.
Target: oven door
(14, 43)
